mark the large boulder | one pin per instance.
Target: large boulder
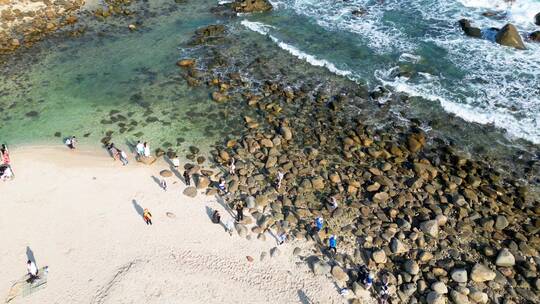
(251, 6)
(339, 274)
(321, 268)
(469, 30)
(535, 36)
(190, 191)
(537, 19)
(509, 36)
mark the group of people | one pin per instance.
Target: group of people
(143, 149)
(6, 172)
(117, 154)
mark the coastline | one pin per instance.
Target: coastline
(74, 210)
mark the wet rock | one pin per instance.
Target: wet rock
(481, 273)
(190, 191)
(534, 36)
(470, 30)
(459, 275)
(185, 63)
(416, 142)
(132, 27)
(537, 19)
(505, 258)
(339, 274)
(32, 114)
(509, 36)
(251, 6)
(219, 97)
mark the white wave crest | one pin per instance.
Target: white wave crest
(264, 29)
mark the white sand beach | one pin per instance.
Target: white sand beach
(76, 212)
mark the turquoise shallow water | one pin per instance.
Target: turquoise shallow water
(72, 85)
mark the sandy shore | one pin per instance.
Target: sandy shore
(75, 211)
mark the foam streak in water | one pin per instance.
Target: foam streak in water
(264, 29)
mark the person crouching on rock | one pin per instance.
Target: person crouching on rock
(147, 216)
(216, 217)
(332, 244)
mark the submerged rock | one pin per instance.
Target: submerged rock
(251, 6)
(509, 36)
(535, 36)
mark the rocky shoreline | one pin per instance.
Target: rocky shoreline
(433, 223)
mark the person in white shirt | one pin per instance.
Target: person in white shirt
(123, 157)
(140, 148)
(280, 176)
(176, 162)
(32, 270)
(232, 167)
(146, 150)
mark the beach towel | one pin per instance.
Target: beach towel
(23, 288)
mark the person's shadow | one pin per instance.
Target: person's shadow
(138, 208)
(30, 255)
(174, 170)
(304, 299)
(156, 180)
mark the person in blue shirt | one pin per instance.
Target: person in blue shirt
(319, 223)
(332, 243)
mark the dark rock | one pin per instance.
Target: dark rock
(509, 36)
(535, 36)
(537, 19)
(251, 6)
(470, 30)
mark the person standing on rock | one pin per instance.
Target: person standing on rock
(334, 203)
(232, 167)
(222, 187)
(319, 222)
(239, 213)
(140, 149)
(187, 177)
(280, 176)
(332, 244)
(147, 216)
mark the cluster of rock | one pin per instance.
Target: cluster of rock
(24, 25)
(112, 8)
(251, 6)
(508, 35)
(437, 225)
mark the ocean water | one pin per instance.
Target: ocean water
(417, 48)
(114, 82)
(125, 84)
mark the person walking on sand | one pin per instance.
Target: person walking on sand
(229, 226)
(146, 149)
(163, 184)
(216, 217)
(71, 142)
(140, 149)
(32, 271)
(113, 151)
(187, 177)
(4, 155)
(282, 237)
(332, 243)
(239, 213)
(123, 157)
(232, 167)
(176, 162)
(147, 216)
